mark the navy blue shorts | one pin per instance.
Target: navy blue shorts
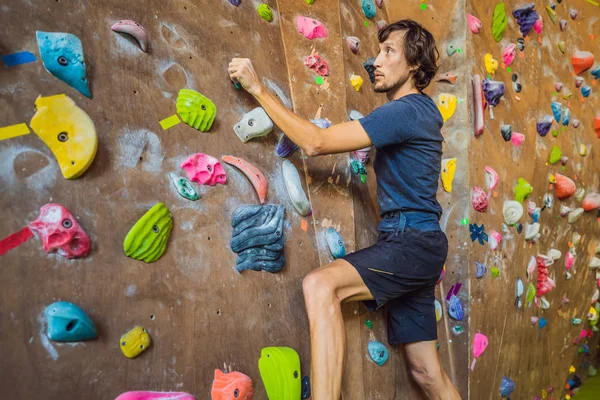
(401, 271)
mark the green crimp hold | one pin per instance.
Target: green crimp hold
(576, 321)
(265, 12)
(147, 240)
(184, 187)
(457, 329)
(530, 293)
(495, 272)
(555, 155)
(358, 168)
(195, 109)
(522, 190)
(499, 22)
(369, 324)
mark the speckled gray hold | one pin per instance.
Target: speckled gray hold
(258, 237)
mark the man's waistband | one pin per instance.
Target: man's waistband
(397, 221)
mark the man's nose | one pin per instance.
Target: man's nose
(378, 61)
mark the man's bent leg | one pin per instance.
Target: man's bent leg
(324, 289)
(426, 370)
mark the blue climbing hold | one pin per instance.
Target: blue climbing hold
(368, 7)
(566, 117)
(535, 215)
(335, 243)
(62, 56)
(596, 72)
(478, 233)
(455, 308)
(556, 110)
(305, 387)
(378, 352)
(586, 90)
(68, 323)
(543, 322)
(507, 386)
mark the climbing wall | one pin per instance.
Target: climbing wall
(200, 313)
(536, 357)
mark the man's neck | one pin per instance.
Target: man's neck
(402, 91)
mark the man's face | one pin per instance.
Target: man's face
(391, 68)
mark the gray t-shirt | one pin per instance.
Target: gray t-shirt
(406, 134)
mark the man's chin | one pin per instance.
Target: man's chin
(380, 88)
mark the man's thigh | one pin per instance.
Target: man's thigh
(345, 279)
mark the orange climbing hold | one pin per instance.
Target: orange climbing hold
(565, 187)
(597, 125)
(582, 60)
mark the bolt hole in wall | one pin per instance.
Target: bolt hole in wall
(152, 317)
(218, 312)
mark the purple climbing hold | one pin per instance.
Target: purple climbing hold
(455, 307)
(480, 270)
(285, 147)
(507, 386)
(543, 126)
(493, 91)
(235, 2)
(526, 17)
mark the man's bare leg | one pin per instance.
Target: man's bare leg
(426, 370)
(324, 290)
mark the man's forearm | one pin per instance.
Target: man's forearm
(300, 130)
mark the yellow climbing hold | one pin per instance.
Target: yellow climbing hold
(448, 171)
(134, 342)
(582, 150)
(551, 14)
(572, 369)
(491, 64)
(551, 178)
(447, 105)
(68, 131)
(356, 81)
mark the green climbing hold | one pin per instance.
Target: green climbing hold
(265, 12)
(358, 168)
(195, 109)
(309, 2)
(147, 240)
(499, 21)
(369, 324)
(458, 329)
(280, 372)
(362, 178)
(555, 133)
(495, 272)
(530, 293)
(555, 155)
(184, 187)
(522, 190)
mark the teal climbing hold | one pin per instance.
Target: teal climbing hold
(378, 352)
(68, 323)
(368, 7)
(62, 56)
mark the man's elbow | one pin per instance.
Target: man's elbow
(315, 148)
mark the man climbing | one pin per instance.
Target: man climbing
(402, 268)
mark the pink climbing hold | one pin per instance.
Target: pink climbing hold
(311, 28)
(317, 64)
(204, 169)
(569, 260)
(539, 24)
(480, 343)
(143, 395)
(517, 139)
(494, 239)
(59, 231)
(474, 23)
(477, 104)
(591, 202)
(508, 54)
(479, 199)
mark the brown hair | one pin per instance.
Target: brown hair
(419, 50)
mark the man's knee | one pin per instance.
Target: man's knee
(316, 286)
(427, 377)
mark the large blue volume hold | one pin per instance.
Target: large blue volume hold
(68, 323)
(258, 237)
(62, 55)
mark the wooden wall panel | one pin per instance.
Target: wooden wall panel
(535, 359)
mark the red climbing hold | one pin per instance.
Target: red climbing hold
(597, 125)
(591, 202)
(565, 187)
